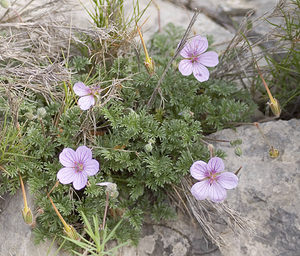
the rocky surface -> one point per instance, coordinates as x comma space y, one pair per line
181, 237
268, 190
16, 238
267, 194
181, 17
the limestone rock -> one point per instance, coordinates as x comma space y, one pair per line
268, 190
180, 16
16, 238
181, 237
267, 194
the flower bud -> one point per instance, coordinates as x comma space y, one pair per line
71, 232
275, 107
148, 147
27, 216
149, 64
273, 152
41, 113
111, 188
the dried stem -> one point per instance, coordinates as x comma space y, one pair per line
179, 48
105, 210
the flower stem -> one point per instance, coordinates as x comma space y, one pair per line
265, 84
55, 185
143, 44
106, 208
262, 134
58, 214
23, 192
43, 127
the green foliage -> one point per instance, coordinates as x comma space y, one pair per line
97, 243
145, 151
111, 12
80, 63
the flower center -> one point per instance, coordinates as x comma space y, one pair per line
212, 176
94, 91
78, 167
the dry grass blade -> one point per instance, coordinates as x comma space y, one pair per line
248, 46
32, 54
214, 218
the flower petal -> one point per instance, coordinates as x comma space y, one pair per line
199, 44
200, 72
86, 102
215, 164
200, 190
199, 170
216, 192
66, 175
185, 67
195, 47
91, 167
228, 180
67, 157
209, 59
80, 180
106, 183
81, 89
83, 154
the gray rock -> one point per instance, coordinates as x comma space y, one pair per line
267, 194
181, 237
268, 190
180, 16
16, 238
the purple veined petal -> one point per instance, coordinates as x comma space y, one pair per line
186, 51
80, 180
199, 170
67, 157
209, 59
198, 45
66, 175
86, 102
81, 89
198, 37
91, 167
200, 72
216, 164
185, 67
195, 47
200, 190
228, 180
216, 192
83, 154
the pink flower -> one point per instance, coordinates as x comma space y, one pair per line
196, 59
87, 95
213, 181
78, 165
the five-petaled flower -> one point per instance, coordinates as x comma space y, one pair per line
195, 59
87, 95
78, 165
213, 181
